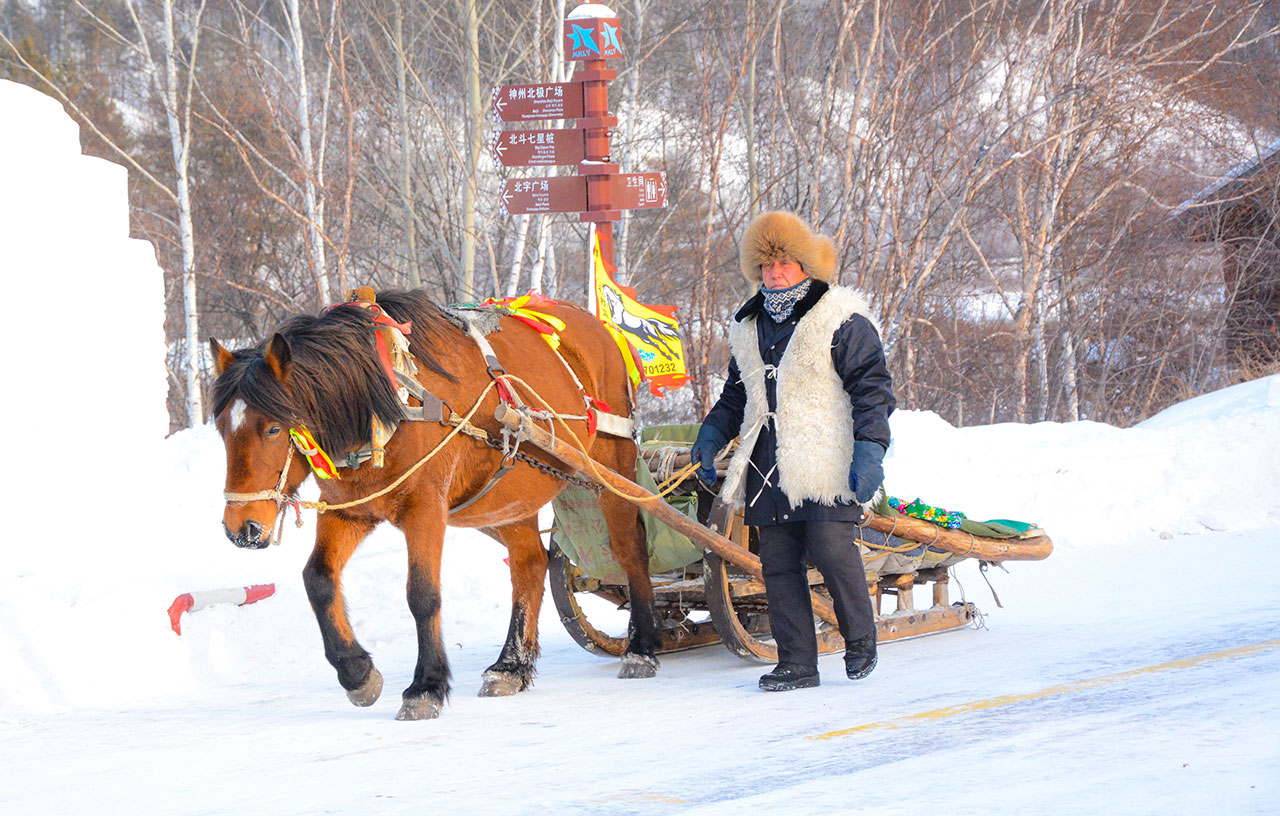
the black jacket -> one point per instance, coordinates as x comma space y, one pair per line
858, 358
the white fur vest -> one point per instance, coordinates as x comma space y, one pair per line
814, 420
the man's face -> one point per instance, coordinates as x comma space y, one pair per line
781, 273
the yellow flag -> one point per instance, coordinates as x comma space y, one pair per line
648, 336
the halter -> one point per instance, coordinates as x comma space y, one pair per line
276, 495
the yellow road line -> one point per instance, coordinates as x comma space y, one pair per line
1066, 688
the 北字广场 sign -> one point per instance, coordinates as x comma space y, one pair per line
561, 194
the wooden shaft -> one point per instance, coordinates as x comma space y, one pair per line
650, 503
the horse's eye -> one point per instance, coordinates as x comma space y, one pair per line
274, 430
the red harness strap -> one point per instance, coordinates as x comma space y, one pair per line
596, 404
381, 318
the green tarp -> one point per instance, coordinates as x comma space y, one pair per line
580, 529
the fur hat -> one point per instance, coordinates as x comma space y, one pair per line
779, 234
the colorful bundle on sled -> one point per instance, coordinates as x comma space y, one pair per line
951, 519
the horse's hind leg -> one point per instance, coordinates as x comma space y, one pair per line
514, 670
627, 541
424, 533
336, 539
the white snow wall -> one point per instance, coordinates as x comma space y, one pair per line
83, 408
84, 327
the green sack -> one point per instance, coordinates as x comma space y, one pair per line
582, 535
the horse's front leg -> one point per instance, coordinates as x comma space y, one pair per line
337, 537
627, 541
424, 533
515, 668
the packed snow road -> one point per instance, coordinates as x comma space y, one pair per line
1159, 734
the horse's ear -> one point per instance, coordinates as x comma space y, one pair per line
279, 357
221, 357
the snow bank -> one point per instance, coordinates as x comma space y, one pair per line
1207, 464
86, 401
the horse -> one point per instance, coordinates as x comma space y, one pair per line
322, 376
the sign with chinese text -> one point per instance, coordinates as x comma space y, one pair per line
547, 100
562, 194
538, 148
636, 191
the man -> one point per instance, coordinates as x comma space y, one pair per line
810, 395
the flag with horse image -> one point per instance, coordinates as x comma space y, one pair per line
648, 336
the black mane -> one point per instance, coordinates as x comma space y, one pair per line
336, 383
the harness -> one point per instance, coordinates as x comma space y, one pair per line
400, 367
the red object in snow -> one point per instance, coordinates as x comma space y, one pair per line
192, 601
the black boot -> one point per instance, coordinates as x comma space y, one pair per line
860, 657
788, 676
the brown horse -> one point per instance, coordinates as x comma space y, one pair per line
324, 373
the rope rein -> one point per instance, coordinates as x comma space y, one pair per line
461, 425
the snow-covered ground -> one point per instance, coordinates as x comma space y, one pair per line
1134, 671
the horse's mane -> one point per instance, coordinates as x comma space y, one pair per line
336, 382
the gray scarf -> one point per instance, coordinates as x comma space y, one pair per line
780, 303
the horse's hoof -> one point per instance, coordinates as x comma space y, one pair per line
637, 665
419, 708
369, 692
500, 684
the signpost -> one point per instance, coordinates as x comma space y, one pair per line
636, 191
600, 191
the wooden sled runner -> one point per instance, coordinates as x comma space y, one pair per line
720, 596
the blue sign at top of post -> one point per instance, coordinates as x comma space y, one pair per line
592, 38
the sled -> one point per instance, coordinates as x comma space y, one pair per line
712, 591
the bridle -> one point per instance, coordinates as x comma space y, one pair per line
275, 494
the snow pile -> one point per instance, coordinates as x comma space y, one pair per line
85, 403
1206, 464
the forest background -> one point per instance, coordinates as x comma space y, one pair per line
1003, 177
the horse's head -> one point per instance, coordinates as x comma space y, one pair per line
251, 400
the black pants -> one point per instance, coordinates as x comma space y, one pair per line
830, 545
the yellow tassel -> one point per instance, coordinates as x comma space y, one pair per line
309, 448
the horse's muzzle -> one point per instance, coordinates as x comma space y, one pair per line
252, 536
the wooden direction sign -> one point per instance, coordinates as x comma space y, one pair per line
637, 191
539, 148
548, 100
591, 38
564, 194
544, 195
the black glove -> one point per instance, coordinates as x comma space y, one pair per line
710, 442
866, 474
